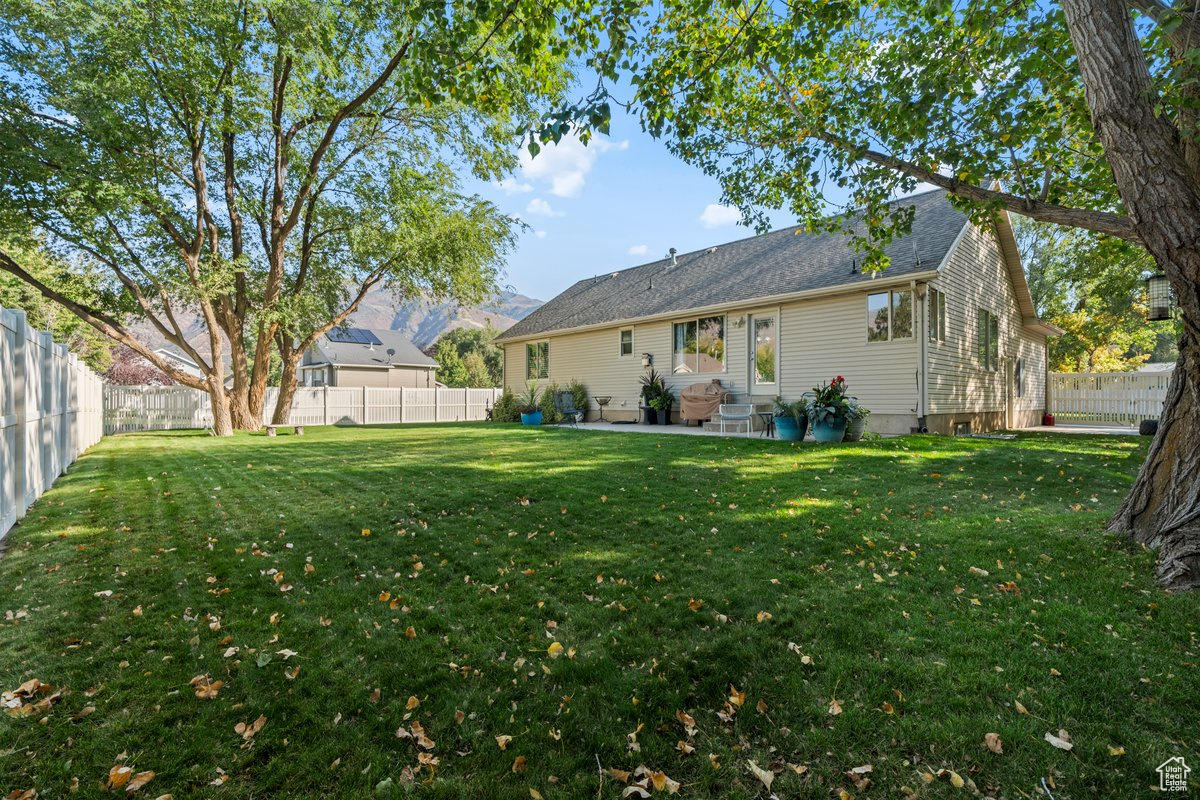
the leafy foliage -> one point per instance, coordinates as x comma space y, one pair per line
579, 394
506, 408
1093, 289
467, 357
78, 282
265, 165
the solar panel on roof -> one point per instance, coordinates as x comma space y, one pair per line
353, 336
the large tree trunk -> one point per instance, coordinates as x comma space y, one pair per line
222, 419
1161, 193
287, 390
1163, 509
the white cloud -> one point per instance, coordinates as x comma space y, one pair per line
513, 186
639, 250
541, 208
540, 234
718, 216
564, 167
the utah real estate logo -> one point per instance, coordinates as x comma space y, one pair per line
1172, 775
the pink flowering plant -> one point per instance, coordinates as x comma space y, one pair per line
829, 402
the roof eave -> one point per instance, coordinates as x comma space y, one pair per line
807, 294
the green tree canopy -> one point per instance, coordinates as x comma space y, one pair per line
1093, 288
265, 164
469, 358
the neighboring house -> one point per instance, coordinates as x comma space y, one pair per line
362, 357
946, 338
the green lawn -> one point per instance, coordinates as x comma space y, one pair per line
673, 571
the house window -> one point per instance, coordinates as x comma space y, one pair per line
937, 316
627, 342
889, 316
764, 349
537, 360
987, 336
698, 345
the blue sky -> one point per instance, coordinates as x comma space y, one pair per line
621, 201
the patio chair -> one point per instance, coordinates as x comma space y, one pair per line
568, 413
731, 413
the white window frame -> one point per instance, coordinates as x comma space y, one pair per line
544, 372
724, 348
987, 340
936, 314
891, 309
621, 342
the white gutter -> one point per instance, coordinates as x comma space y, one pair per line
754, 302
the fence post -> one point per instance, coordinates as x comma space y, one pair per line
20, 396
325, 407
364, 404
403, 404
466, 404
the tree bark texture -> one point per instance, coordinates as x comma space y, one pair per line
287, 390
1161, 193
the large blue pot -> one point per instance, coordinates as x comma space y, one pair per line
532, 419
829, 430
788, 429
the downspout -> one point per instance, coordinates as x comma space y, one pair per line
922, 334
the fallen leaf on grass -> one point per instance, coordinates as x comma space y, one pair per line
503, 740
1116, 751
992, 740
138, 781
695, 605
766, 776
835, 707
249, 731
118, 776
206, 689
1021, 709
555, 649
687, 721
1062, 741
534, 794
519, 764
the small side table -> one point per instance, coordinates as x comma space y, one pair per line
768, 421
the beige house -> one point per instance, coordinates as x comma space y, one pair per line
946, 338
362, 357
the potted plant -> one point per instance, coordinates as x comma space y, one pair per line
652, 386
857, 421
828, 410
529, 404
662, 402
791, 419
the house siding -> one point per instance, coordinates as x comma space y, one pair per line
820, 338
817, 340
394, 378
976, 277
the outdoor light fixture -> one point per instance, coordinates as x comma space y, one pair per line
647, 359
1159, 289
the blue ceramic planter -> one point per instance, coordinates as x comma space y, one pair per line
532, 419
788, 429
829, 430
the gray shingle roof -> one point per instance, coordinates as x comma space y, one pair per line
776, 263
351, 354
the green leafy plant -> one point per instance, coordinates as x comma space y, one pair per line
829, 402
653, 385
505, 408
530, 400
796, 408
663, 400
549, 409
579, 395
856, 411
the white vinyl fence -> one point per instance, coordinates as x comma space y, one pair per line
150, 408
1124, 398
51, 410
